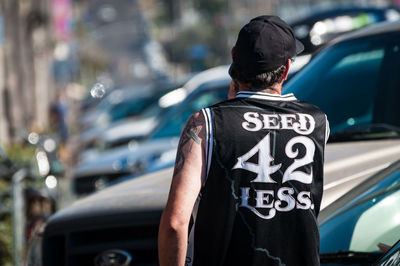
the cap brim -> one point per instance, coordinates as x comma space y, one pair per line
230, 69
299, 47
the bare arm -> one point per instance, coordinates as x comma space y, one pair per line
186, 184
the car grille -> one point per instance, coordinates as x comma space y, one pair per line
89, 184
81, 247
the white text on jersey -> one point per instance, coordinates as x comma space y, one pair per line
303, 124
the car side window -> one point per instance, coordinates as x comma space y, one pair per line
208, 98
352, 84
346, 79
201, 100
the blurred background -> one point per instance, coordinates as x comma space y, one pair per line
53, 51
73, 73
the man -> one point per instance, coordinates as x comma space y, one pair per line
249, 171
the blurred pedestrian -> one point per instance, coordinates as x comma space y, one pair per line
58, 116
58, 123
249, 170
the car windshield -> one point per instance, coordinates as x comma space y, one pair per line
356, 84
175, 96
117, 96
172, 122
146, 105
365, 219
130, 107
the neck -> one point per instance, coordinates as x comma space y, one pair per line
274, 89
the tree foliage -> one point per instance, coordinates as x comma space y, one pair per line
211, 7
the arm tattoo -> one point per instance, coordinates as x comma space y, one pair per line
190, 132
194, 136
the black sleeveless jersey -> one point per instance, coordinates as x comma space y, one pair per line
260, 201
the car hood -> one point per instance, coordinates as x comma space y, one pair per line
145, 194
125, 158
346, 165
349, 163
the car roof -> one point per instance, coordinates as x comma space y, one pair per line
385, 27
330, 12
118, 96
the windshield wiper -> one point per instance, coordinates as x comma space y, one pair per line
346, 257
366, 132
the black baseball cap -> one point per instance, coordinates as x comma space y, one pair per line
263, 45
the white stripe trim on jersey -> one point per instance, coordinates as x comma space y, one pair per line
266, 96
327, 130
209, 140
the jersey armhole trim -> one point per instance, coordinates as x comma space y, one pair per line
209, 139
327, 129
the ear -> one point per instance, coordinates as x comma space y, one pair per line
287, 69
232, 90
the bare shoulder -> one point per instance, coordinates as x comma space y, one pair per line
194, 129
197, 119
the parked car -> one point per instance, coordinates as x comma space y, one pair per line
124, 219
358, 226
122, 132
114, 98
207, 88
138, 128
118, 105
319, 27
355, 81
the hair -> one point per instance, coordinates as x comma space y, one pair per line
260, 81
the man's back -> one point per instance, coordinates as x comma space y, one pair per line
249, 171
263, 190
